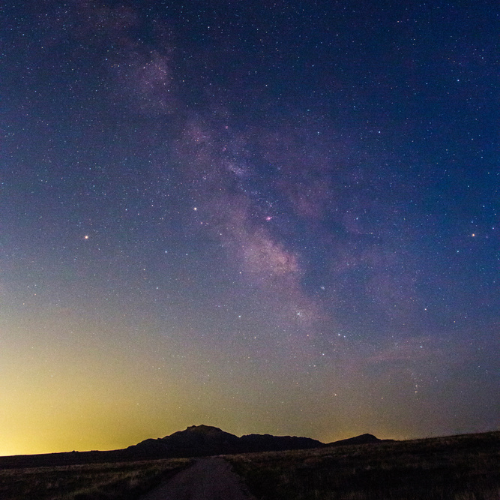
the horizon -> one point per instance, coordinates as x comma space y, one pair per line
275, 217
327, 443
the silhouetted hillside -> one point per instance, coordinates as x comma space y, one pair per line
195, 441
363, 439
266, 442
203, 440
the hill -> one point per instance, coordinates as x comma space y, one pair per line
195, 441
204, 440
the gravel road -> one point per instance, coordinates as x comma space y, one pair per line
207, 479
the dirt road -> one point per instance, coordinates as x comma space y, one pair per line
207, 479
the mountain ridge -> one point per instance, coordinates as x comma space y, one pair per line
204, 440
195, 441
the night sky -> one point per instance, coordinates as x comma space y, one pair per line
268, 216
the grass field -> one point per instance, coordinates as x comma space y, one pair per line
125, 481
455, 468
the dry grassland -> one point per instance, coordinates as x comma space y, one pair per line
449, 468
124, 481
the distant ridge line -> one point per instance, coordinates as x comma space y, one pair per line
195, 441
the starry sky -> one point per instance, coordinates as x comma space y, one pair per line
267, 216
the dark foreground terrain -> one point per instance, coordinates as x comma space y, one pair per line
124, 481
449, 468
456, 468
208, 479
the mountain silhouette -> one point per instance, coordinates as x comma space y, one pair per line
363, 439
195, 441
203, 440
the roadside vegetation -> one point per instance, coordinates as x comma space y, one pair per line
109, 481
449, 468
